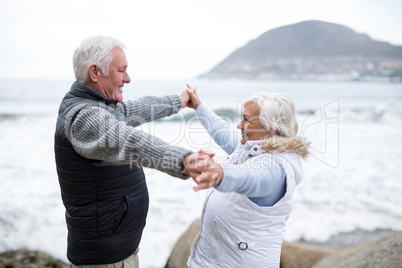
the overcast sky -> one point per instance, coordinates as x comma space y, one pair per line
174, 39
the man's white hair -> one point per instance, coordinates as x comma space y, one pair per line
94, 50
277, 112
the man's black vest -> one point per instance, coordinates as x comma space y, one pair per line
106, 204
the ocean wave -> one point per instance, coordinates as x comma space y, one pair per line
4, 117
187, 116
361, 115
367, 115
16, 116
373, 115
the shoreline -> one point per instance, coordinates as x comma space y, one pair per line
44, 259
348, 239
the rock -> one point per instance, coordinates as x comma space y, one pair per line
383, 252
29, 259
181, 250
296, 255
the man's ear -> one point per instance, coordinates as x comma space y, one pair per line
94, 73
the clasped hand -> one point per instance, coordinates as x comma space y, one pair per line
189, 98
203, 169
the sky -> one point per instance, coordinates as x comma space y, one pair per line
175, 39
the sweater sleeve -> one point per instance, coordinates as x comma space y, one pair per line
261, 179
97, 134
150, 108
217, 128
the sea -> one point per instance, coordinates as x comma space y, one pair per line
352, 188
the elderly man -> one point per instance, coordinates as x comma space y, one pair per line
99, 154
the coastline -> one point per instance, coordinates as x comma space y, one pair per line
35, 259
348, 239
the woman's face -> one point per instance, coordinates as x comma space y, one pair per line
250, 126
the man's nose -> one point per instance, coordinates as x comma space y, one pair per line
127, 79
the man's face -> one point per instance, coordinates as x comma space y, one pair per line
112, 85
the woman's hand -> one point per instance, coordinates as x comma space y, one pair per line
210, 174
193, 162
194, 99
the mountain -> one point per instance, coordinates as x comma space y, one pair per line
312, 49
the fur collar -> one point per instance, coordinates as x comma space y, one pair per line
277, 144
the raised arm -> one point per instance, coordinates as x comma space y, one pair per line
218, 128
97, 134
150, 108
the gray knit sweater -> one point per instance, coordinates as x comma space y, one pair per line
97, 134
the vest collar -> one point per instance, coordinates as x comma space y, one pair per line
80, 90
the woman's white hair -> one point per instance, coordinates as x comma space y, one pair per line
277, 112
94, 50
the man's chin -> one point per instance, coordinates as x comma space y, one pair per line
119, 98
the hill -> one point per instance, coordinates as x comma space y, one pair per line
312, 50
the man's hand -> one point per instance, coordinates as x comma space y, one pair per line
203, 169
211, 174
185, 98
192, 162
194, 99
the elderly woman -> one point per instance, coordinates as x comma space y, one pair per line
244, 216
